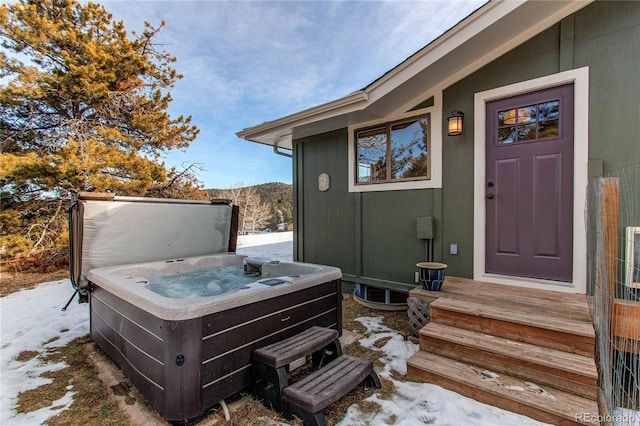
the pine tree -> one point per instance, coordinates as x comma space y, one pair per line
83, 105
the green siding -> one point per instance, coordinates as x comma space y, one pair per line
369, 235
373, 235
607, 39
326, 228
390, 247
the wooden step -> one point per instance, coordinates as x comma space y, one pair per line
553, 303
309, 396
544, 404
562, 370
271, 363
285, 351
519, 323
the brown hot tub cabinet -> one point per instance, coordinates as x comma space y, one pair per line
183, 367
185, 355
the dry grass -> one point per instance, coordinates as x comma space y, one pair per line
94, 403
10, 282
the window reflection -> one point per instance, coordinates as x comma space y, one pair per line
409, 149
548, 110
527, 132
519, 115
527, 123
372, 155
548, 129
507, 135
393, 151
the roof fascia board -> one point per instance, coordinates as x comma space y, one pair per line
443, 45
318, 112
571, 7
512, 43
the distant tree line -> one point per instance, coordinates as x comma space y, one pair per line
265, 206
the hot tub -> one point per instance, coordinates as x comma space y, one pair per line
185, 353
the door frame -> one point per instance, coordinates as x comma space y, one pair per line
580, 79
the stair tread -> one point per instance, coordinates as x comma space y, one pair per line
554, 358
537, 401
327, 385
518, 315
305, 343
559, 304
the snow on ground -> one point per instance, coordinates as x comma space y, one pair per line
274, 245
419, 403
32, 320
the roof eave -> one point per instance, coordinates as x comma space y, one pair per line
279, 132
261, 132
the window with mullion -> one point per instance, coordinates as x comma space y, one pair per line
397, 151
529, 123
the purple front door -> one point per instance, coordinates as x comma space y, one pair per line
529, 185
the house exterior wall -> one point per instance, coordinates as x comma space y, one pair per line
607, 39
368, 235
372, 236
324, 222
536, 57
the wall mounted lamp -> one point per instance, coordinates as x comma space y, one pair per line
455, 123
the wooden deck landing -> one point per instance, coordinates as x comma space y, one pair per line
555, 304
483, 335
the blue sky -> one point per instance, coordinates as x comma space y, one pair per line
248, 62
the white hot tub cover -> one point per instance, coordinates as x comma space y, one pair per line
107, 230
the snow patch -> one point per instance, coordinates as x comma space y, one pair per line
33, 320
419, 403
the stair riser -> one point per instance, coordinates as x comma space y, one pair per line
487, 397
542, 374
523, 333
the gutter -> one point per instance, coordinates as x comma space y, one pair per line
276, 149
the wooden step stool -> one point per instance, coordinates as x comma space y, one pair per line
309, 396
271, 363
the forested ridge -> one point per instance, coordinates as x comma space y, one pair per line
263, 206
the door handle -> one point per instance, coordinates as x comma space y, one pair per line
490, 196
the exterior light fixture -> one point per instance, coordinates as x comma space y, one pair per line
455, 123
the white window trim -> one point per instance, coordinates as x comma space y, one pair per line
580, 79
436, 151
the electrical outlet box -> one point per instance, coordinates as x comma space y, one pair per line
453, 249
415, 279
424, 227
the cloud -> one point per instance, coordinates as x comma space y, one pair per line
253, 61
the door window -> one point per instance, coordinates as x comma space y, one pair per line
528, 123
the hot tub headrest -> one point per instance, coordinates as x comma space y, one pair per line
256, 261
254, 264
